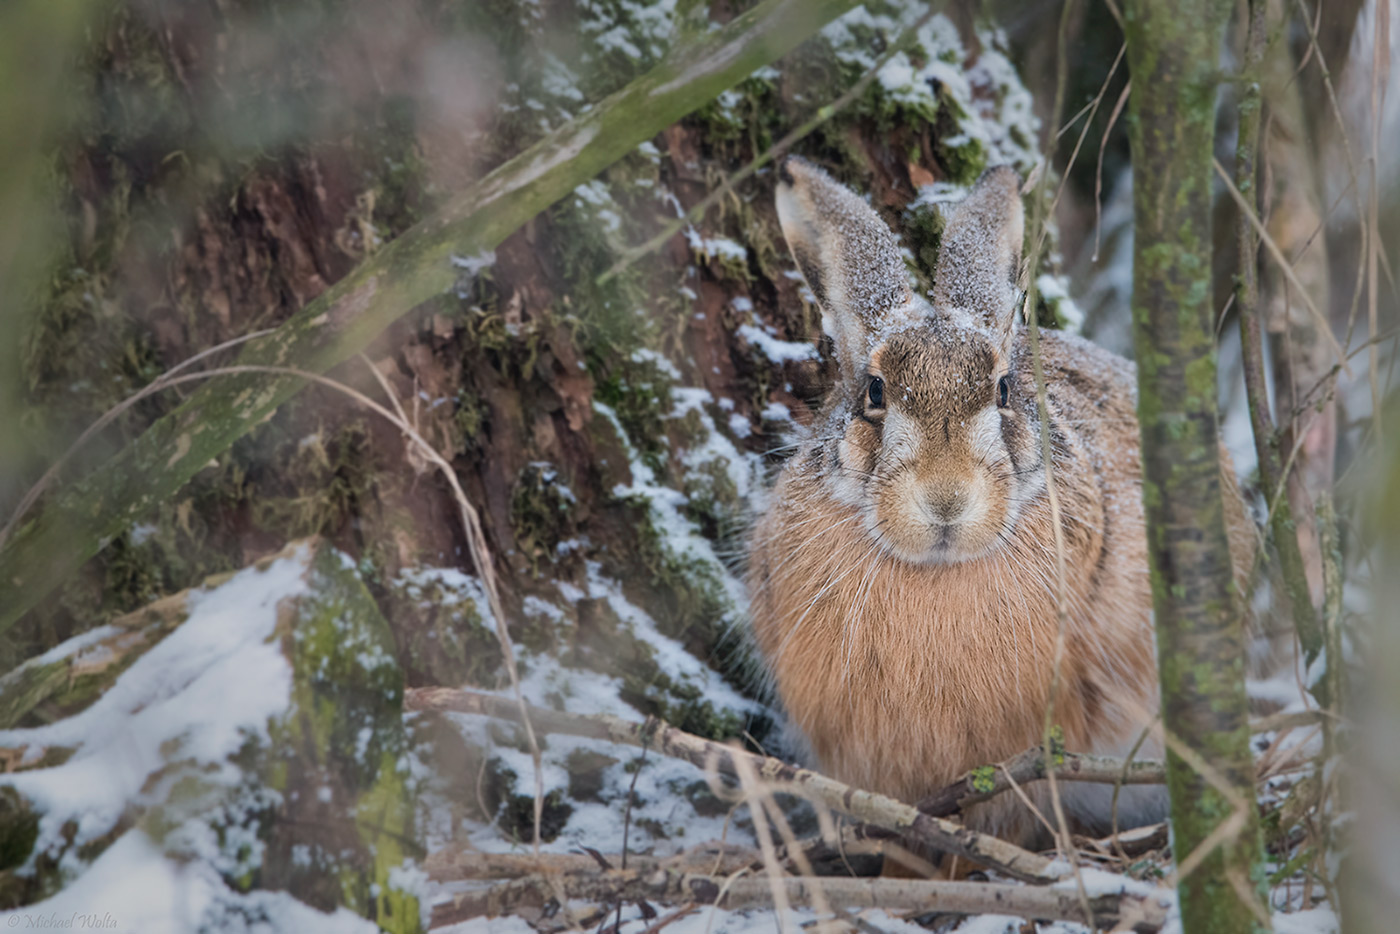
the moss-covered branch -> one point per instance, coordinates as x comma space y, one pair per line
413, 268
68, 679
1173, 48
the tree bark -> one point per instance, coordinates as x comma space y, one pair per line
1173, 49
412, 269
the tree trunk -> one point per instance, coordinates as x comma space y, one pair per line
418, 265
1173, 49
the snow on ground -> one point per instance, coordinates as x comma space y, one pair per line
197, 696
134, 887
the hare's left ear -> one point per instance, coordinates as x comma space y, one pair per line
980, 255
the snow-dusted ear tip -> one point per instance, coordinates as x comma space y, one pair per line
980, 254
846, 253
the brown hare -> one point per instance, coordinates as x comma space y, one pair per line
903, 576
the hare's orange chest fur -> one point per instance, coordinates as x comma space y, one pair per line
904, 579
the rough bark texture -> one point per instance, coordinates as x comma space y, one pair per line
413, 268
1172, 52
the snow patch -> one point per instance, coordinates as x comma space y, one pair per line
777, 350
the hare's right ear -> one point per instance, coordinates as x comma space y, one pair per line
847, 255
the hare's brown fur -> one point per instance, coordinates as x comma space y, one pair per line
901, 673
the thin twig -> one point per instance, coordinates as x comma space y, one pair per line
1098, 172
1039, 231
1245, 209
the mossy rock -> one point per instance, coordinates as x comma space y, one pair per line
300, 784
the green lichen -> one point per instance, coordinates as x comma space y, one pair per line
1057, 745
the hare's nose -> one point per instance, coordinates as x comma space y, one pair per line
945, 504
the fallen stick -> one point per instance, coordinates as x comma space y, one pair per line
1131, 843
988, 781
456, 864
1126, 911
867, 807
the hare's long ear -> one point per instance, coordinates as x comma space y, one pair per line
979, 256
847, 255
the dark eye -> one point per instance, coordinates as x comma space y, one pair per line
1003, 391
877, 392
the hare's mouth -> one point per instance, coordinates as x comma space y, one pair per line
942, 543
936, 542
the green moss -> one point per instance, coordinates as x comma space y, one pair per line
468, 415
344, 732
639, 393
1057, 745
19, 828
964, 163
923, 233
323, 481
540, 514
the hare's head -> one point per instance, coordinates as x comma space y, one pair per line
934, 434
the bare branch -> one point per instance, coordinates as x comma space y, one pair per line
1126, 911
981, 784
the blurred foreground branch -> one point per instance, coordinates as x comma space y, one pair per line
422, 263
